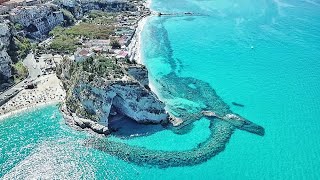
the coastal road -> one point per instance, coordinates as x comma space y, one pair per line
34, 71
11, 92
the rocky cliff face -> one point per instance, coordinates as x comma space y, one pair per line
37, 20
77, 8
99, 97
140, 73
5, 60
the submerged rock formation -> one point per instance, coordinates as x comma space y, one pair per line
5, 60
97, 89
223, 122
189, 99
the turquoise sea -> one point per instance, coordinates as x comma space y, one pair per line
262, 54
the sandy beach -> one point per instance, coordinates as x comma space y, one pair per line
49, 88
136, 46
48, 91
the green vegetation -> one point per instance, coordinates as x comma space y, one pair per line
100, 17
115, 44
92, 71
62, 42
99, 67
89, 30
68, 39
69, 18
20, 71
18, 26
19, 48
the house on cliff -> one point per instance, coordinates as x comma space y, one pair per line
83, 54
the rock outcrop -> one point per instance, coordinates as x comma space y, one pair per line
5, 60
37, 20
99, 89
140, 73
78, 8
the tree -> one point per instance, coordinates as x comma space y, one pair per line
68, 16
18, 26
115, 44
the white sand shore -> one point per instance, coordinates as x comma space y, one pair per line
48, 91
137, 44
148, 4
138, 48
28, 108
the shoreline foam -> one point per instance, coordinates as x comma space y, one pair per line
27, 109
139, 58
137, 44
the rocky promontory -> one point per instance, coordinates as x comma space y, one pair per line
98, 89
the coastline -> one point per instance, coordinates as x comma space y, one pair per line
137, 44
48, 92
138, 49
26, 109
137, 52
135, 49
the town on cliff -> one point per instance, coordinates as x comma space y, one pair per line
82, 54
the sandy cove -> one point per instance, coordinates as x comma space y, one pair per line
49, 91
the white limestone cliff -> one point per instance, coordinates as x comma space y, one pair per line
5, 60
37, 20
99, 98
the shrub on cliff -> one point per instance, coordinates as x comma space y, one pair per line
115, 44
19, 48
20, 71
64, 44
18, 26
69, 18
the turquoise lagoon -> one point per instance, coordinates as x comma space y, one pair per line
262, 54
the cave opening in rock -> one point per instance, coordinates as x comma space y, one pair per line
124, 126
32, 28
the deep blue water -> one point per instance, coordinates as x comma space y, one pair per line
262, 54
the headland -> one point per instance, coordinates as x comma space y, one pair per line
99, 76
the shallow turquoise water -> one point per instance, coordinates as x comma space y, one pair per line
38, 144
263, 54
